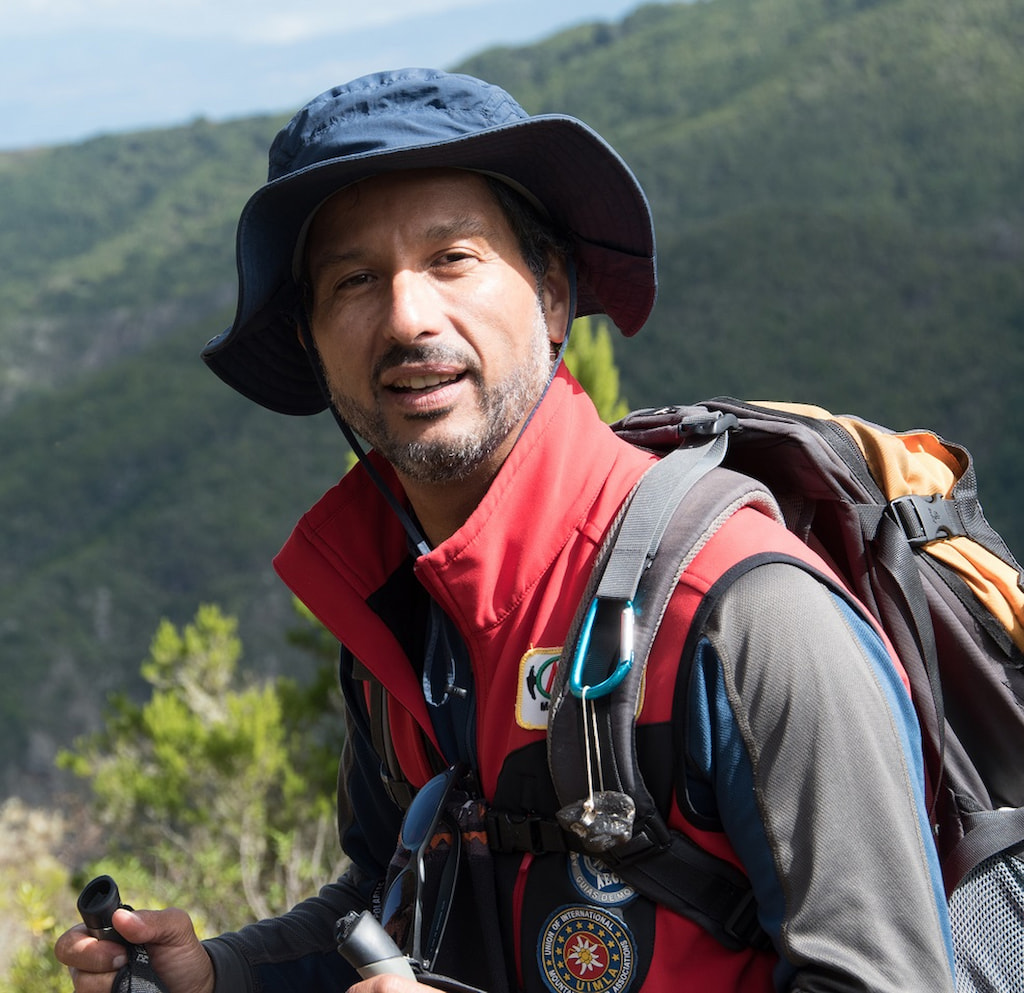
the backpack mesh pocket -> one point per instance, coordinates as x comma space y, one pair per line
987, 916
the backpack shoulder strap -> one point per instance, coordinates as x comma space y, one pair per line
591, 723
373, 706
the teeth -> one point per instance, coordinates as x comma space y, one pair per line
423, 382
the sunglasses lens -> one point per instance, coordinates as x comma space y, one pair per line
422, 814
398, 906
442, 904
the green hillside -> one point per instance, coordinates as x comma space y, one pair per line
108, 245
836, 186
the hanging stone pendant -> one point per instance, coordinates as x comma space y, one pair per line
602, 820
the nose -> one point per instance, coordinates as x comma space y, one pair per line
415, 308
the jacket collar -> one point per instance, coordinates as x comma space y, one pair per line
350, 543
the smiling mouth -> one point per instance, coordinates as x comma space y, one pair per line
413, 383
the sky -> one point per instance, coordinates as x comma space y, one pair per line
72, 69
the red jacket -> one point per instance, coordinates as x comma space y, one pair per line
510, 579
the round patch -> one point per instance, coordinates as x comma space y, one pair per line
597, 883
585, 950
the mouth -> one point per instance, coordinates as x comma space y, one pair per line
426, 381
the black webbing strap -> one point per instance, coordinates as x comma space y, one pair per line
895, 571
695, 884
989, 832
663, 865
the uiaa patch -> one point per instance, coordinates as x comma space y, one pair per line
586, 950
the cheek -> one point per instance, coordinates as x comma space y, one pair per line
343, 361
505, 328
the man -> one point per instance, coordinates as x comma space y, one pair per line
417, 256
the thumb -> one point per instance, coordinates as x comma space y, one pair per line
171, 927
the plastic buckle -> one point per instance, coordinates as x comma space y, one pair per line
523, 833
927, 518
715, 423
743, 926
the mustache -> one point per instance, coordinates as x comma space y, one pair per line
400, 355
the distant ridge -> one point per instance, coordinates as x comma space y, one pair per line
836, 186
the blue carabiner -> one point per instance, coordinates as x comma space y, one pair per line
576, 685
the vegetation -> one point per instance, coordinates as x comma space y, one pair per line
591, 360
216, 793
35, 897
836, 188
214, 789
834, 185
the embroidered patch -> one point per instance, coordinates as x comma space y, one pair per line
536, 678
597, 883
585, 950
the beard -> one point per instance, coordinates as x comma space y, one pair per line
502, 407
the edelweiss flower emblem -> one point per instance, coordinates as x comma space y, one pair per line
586, 950
586, 956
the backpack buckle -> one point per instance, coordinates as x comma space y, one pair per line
715, 423
742, 925
507, 832
927, 518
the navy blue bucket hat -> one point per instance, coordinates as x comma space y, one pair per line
411, 119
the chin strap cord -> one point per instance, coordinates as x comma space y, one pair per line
412, 530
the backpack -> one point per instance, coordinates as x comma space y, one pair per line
897, 517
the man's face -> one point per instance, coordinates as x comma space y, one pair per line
434, 336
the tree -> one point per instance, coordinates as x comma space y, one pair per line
590, 359
213, 788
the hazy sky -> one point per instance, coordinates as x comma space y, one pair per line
70, 69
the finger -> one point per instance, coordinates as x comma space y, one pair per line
387, 983
77, 948
92, 982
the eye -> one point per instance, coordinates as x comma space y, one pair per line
351, 281
453, 256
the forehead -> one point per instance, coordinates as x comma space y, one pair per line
375, 207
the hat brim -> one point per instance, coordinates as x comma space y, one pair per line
587, 189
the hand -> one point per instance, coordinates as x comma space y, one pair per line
389, 984
174, 950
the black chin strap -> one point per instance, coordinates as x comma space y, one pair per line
412, 529
562, 346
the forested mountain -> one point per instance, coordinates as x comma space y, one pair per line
837, 189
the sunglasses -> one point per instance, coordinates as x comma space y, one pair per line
420, 835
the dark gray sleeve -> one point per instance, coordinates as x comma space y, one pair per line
296, 950
811, 748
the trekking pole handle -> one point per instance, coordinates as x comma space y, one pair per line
368, 948
97, 903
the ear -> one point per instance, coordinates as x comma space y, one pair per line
304, 332
555, 297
